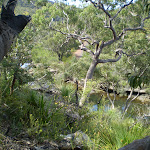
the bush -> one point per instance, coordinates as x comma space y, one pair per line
109, 131
26, 110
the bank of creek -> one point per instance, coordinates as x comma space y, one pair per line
139, 107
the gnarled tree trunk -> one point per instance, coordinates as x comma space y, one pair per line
7, 36
10, 26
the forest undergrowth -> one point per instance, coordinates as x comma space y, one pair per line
28, 113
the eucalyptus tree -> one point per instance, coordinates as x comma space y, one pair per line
10, 26
52, 40
115, 25
13, 70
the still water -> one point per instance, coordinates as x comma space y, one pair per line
136, 108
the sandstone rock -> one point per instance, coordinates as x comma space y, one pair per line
77, 140
47, 146
141, 144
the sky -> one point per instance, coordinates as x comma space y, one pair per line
78, 3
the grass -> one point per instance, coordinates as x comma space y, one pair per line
109, 131
41, 118
28, 111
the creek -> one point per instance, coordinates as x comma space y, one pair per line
136, 109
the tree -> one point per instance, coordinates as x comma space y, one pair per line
54, 41
10, 26
111, 12
12, 72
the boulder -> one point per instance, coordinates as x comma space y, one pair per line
141, 144
77, 140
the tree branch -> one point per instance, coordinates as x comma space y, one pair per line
111, 28
124, 31
65, 42
96, 5
133, 54
68, 34
144, 70
128, 101
134, 29
110, 60
121, 9
67, 19
82, 47
101, 6
111, 101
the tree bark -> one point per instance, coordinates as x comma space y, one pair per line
91, 69
88, 76
111, 101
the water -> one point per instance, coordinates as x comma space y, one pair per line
25, 65
136, 108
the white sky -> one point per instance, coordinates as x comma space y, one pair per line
78, 3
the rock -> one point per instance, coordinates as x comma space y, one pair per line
144, 98
141, 144
147, 117
77, 140
47, 146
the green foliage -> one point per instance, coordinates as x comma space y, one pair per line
44, 118
41, 2
77, 68
136, 81
39, 55
109, 131
28, 110
13, 74
55, 41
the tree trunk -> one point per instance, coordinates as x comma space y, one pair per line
129, 100
5, 74
91, 70
76, 93
111, 101
12, 85
88, 76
